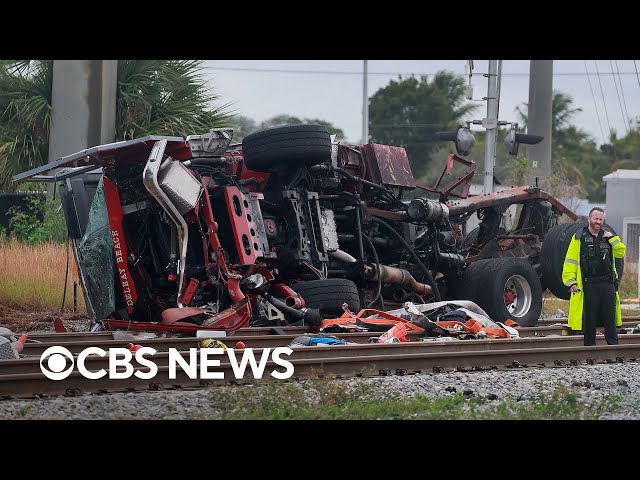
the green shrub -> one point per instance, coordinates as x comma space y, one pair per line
40, 221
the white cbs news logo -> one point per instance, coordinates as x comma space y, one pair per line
57, 363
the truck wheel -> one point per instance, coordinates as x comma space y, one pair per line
552, 253
470, 237
510, 290
466, 287
290, 146
328, 295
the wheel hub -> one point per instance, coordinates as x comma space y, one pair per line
517, 296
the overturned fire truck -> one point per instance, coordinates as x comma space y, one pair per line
285, 228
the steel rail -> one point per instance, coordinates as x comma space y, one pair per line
75, 343
20, 379
251, 341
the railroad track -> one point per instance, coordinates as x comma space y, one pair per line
23, 378
263, 337
558, 324
628, 319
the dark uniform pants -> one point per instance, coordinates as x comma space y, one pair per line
599, 307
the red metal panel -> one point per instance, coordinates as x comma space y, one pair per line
390, 165
188, 294
231, 280
233, 318
114, 210
114, 156
241, 224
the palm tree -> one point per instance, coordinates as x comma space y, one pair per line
561, 112
25, 116
160, 97
567, 140
165, 97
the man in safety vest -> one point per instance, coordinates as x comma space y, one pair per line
589, 271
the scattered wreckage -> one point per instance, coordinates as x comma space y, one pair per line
181, 234
11, 344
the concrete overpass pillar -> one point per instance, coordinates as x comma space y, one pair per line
83, 105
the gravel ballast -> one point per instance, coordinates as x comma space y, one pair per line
590, 383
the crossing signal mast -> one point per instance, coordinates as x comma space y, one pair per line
463, 136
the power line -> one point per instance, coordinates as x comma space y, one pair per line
408, 74
624, 101
606, 114
624, 120
358, 73
595, 104
412, 125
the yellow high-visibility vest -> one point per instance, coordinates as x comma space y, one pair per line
571, 274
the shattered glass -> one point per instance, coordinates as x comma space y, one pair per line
96, 258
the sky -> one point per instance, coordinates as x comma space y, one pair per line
607, 91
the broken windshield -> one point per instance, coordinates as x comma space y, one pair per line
95, 258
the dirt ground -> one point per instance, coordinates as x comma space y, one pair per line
22, 321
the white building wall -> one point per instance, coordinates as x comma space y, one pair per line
622, 197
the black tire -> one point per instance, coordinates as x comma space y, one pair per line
470, 237
288, 146
542, 284
466, 287
518, 276
553, 251
329, 294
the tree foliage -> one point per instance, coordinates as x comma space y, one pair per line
165, 97
40, 221
575, 156
25, 116
160, 97
562, 111
242, 126
280, 120
408, 112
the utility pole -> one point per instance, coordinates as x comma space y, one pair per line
83, 101
365, 106
491, 124
539, 117
463, 137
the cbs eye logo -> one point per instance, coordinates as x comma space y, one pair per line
53, 362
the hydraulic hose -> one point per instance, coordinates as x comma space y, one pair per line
436, 291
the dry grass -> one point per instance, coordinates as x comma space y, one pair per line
551, 305
33, 277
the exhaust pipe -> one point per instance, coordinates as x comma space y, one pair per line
304, 317
397, 275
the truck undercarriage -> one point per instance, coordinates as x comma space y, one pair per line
182, 234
